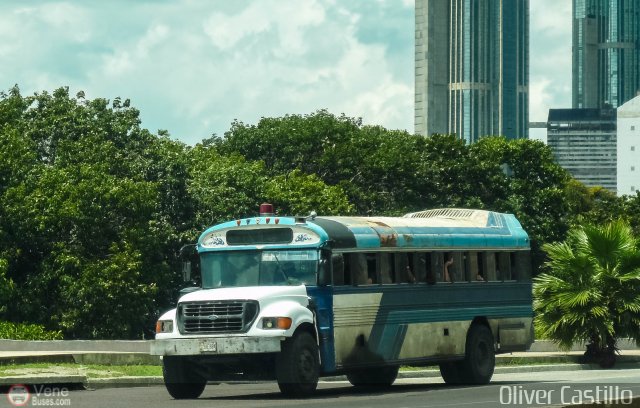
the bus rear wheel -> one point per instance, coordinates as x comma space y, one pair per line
452, 372
480, 356
298, 365
373, 377
479, 362
180, 380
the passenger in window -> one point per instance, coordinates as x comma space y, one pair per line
447, 275
411, 278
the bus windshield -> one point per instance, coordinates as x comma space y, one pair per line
259, 268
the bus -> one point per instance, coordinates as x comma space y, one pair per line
298, 298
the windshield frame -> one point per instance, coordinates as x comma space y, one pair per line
257, 271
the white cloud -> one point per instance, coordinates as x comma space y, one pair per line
192, 66
550, 57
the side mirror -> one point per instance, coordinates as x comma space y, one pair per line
186, 271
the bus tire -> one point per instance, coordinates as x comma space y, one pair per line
452, 372
373, 377
180, 380
480, 356
298, 365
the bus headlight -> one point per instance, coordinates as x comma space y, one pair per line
282, 323
164, 326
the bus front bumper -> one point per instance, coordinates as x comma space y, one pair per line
215, 346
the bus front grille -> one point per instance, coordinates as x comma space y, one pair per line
224, 316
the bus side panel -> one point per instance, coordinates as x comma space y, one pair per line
376, 325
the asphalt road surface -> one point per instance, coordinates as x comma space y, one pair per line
527, 389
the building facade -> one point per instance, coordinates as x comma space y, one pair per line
472, 68
583, 142
606, 52
628, 149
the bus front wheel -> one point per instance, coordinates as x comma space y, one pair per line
298, 365
181, 381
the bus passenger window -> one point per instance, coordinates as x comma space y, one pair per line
403, 272
359, 269
448, 270
372, 269
348, 270
337, 263
489, 266
522, 268
474, 272
385, 268
431, 274
504, 265
421, 267
454, 270
437, 266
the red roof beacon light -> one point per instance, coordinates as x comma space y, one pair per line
266, 209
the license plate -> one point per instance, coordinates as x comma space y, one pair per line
210, 346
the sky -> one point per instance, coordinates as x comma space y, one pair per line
192, 67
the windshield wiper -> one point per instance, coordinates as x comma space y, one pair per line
281, 269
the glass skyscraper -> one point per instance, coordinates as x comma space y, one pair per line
472, 68
606, 57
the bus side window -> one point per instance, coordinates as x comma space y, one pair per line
359, 269
372, 269
402, 265
474, 271
489, 266
504, 265
385, 268
421, 266
431, 274
337, 263
522, 269
457, 270
348, 270
437, 265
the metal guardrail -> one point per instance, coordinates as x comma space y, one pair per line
143, 346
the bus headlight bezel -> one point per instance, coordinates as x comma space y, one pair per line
276, 323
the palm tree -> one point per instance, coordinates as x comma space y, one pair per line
590, 292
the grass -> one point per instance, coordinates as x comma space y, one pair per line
88, 370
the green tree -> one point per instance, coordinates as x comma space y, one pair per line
299, 194
590, 291
79, 178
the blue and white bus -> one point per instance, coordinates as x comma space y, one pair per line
298, 298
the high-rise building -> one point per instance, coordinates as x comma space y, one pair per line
583, 142
606, 52
628, 142
472, 68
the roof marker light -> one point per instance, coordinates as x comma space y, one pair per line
266, 209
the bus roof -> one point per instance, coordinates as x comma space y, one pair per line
439, 229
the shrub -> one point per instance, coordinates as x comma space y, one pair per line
24, 331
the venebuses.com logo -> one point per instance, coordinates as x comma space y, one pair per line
18, 395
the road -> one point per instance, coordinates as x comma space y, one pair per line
529, 389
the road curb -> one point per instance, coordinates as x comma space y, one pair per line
123, 382
151, 381
42, 379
